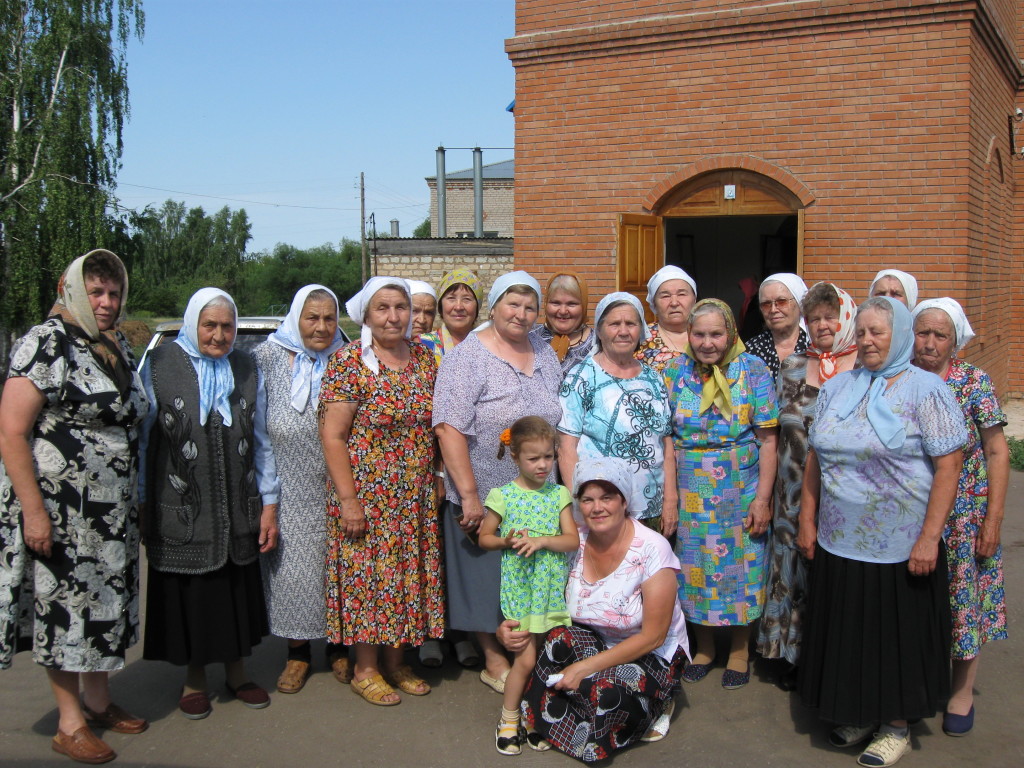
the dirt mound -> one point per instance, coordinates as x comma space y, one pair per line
137, 332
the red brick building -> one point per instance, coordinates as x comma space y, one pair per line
738, 138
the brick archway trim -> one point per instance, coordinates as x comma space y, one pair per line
705, 165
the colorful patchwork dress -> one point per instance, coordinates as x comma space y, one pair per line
721, 582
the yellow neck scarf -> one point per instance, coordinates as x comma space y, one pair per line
716, 389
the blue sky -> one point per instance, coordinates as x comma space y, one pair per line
284, 102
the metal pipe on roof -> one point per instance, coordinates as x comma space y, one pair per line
478, 192
394, 227
442, 203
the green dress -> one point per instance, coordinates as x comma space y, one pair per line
532, 588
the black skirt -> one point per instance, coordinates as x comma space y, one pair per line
213, 617
877, 641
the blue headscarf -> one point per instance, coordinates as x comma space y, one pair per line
216, 381
887, 425
310, 364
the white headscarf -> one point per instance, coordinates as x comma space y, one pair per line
501, 286
794, 284
419, 286
216, 381
908, 281
610, 470
356, 309
612, 298
663, 275
964, 332
310, 364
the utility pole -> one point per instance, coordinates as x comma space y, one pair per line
364, 259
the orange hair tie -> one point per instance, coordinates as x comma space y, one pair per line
506, 437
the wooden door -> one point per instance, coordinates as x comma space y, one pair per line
641, 252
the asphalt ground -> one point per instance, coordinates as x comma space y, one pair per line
328, 725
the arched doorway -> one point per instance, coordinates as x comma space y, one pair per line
723, 226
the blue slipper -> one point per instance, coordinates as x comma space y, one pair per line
958, 725
731, 679
694, 673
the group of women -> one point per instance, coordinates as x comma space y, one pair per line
313, 490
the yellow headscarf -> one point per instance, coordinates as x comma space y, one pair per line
716, 390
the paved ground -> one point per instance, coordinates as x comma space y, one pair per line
326, 725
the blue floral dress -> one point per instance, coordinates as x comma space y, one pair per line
721, 582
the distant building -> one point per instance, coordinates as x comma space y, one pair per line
739, 138
499, 203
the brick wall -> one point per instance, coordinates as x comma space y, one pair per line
499, 207
429, 259
886, 117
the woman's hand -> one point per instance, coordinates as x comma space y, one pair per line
923, 556
987, 541
807, 538
353, 519
268, 528
759, 514
510, 636
37, 532
472, 514
573, 675
669, 516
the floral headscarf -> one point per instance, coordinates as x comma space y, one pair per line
845, 339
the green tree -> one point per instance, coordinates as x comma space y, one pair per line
269, 279
63, 101
422, 229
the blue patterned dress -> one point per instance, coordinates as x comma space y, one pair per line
721, 582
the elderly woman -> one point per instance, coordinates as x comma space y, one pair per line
385, 588
895, 284
496, 376
565, 319
671, 294
829, 314
424, 307
614, 405
973, 551
724, 420
879, 485
68, 439
459, 307
607, 681
779, 299
210, 490
292, 362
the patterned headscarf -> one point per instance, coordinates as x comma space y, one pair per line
887, 425
608, 469
843, 343
216, 381
961, 326
456, 277
310, 364
716, 389
356, 309
560, 342
907, 280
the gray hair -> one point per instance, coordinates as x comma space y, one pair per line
219, 302
706, 309
318, 294
881, 303
604, 314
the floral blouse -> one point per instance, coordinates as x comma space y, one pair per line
973, 390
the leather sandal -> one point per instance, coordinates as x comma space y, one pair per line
294, 676
373, 689
496, 684
115, 719
83, 746
402, 678
341, 668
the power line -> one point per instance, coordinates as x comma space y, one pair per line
256, 202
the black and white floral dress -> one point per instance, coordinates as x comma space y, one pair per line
78, 610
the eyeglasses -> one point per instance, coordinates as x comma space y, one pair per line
780, 303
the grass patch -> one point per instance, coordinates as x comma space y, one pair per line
1016, 452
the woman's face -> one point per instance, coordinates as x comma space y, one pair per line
105, 299
778, 307
459, 309
823, 325
874, 337
318, 323
934, 340
619, 331
424, 310
891, 287
672, 304
709, 338
603, 510
563, 312
388, 315
216, 330
514, 315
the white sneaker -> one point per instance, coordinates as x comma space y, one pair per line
850, 735
885, 749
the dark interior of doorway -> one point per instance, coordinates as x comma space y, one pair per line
729, 256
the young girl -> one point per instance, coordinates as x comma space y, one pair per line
536, 529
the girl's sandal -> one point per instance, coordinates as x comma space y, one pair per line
374, 689
403, 679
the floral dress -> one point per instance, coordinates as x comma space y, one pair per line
532, 588
386, 588
654, 351
976, 585
78, 610
722, 578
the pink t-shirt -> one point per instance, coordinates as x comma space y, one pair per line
613, 606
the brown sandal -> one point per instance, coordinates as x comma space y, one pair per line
402, 677
341, 668
374, 689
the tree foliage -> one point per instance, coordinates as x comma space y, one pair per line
422, 229
63, 102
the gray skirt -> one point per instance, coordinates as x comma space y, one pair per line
473, 576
